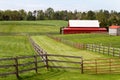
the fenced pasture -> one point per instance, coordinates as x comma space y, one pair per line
56, 60
99, 48
58, 64
94, 66
33, 63
95, 38
51, 46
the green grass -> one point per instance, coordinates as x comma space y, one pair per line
11, 46
32, 27
104, 39
19, 45
54, 47
64, 75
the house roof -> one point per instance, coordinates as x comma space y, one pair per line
83, 23
114, 27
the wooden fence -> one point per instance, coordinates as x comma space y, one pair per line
91, 47
101, 66
96, 66
32, 64
103, 49
39, 50
91, 66
15, 66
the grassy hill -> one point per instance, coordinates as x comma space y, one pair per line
32, 27
18, 45
11, 46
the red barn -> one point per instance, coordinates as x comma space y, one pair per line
82, 26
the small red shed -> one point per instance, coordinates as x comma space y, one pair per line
82, 26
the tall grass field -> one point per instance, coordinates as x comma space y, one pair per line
19, 45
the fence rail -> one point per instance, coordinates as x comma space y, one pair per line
95, 66
39, 50
16, 65
89, 66
103, 49
100, 66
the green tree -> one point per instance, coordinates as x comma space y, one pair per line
40, 15
1, 15
30, 16
23, 14
91, 15
49, 13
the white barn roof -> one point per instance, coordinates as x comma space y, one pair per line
83, 23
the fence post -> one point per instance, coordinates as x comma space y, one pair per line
95, 46
92, 47
82, 66
88, 47
85, 46
36, 68
99, 48
113, 52
108, 50
119, 53
110, 64
46, 60
16, 67
96, 66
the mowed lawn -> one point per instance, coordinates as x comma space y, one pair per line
12, 46
32, 27
53, 47
104, 39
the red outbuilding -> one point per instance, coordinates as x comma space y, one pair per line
82, 26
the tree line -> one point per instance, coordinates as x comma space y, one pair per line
105, 17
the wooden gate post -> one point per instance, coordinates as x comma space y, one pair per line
36, 68
46, 60
16, 67
82, 66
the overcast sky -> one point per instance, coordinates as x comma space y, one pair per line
79, 5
